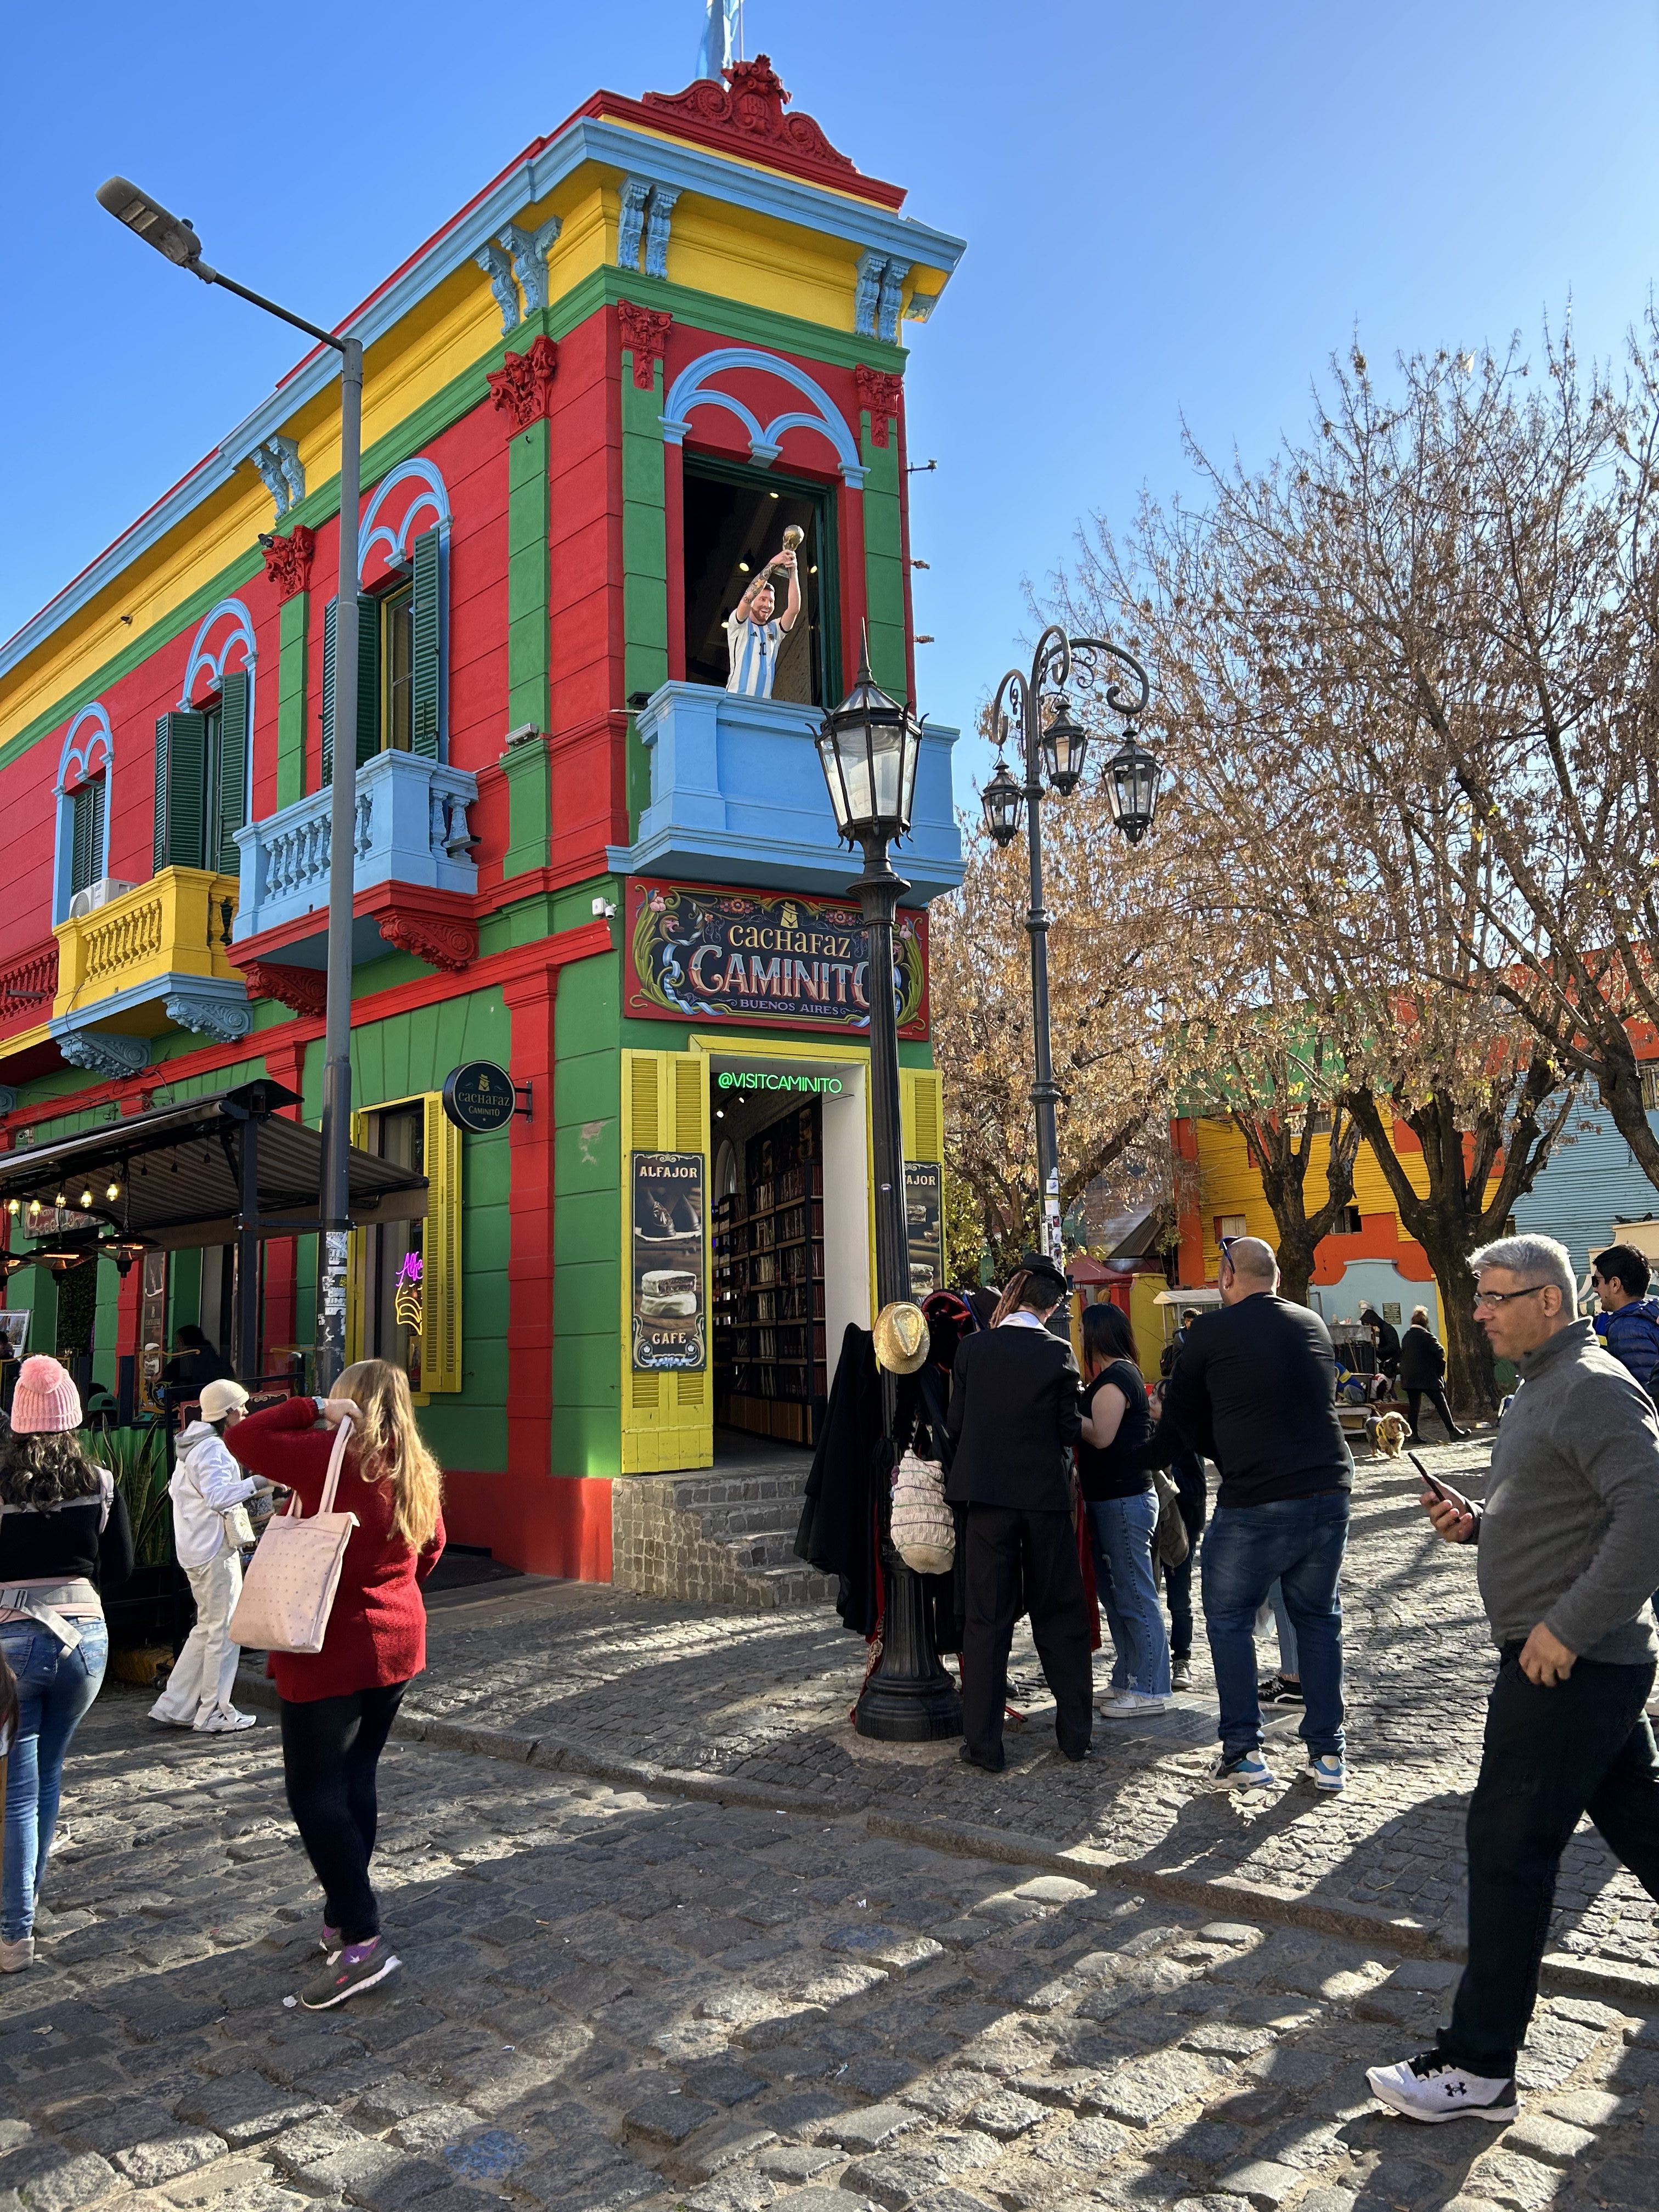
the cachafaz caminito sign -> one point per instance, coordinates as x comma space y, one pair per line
768, 959
479, 1097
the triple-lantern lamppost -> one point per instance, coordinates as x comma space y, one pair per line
1035, 708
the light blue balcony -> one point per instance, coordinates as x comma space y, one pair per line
737, 796
411, 830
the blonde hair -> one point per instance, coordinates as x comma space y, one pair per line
390, 1445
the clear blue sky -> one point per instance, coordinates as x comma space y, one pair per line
1177, 207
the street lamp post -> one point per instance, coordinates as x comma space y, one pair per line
1035, 706
868, 748
178, 243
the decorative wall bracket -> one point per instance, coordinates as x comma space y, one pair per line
440, 942
645, 330
529, 250
881, 393
647, 209
104, 1051
288, 561
221, 1015
497, 266
522, 387
878, 295
281, 472
301, 990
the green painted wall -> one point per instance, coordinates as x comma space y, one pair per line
587, 1239
884, 562
527, 631
293, 624
644, 564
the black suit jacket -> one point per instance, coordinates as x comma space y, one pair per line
1013, 1420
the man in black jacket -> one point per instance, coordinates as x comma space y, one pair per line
1255, 1390
1012, 1423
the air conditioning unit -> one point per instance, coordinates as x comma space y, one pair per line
96, 895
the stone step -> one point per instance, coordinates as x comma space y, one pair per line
718, 1536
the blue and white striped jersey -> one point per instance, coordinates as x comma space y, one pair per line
754, 650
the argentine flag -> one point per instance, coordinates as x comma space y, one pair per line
721, 38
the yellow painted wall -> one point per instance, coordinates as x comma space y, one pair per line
1228, 1183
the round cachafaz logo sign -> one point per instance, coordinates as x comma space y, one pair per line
479, 1097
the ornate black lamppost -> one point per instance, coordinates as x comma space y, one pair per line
868, 747
1035, 708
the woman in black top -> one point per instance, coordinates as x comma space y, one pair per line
1422, 1365
63, 1537
1122, 1508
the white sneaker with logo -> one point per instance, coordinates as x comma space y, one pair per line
1427, 2088
223, 1720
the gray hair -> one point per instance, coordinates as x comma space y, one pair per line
1545, 1258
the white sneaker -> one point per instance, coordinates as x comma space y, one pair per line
1123, 1703
1327, 1771
223, 1720
1427, 2088
1249, 1771
14, 1957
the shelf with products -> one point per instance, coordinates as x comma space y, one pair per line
770, 1353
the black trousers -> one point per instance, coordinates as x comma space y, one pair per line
1031, 1556
1551, 1755
330, 1749
1435, 1395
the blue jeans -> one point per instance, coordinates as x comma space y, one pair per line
1299, 1542
1121, 1531
54, 1689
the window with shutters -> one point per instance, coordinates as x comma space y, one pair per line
201, 780
86, 827
400, 662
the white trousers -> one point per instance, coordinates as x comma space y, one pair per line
205, 1670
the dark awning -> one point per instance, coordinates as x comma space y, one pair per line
176, 1170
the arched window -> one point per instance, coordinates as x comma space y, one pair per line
81, 858
202, 748
403, 575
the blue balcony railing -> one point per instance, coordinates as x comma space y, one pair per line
737, 796
411, 828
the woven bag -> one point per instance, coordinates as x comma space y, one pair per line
287, 1592
922, 1526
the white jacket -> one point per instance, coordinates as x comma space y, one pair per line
207, 1482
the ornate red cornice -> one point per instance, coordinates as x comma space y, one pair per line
288, 561
881, 392
301, 990
746, 116
646, 330
522, 387
440, 942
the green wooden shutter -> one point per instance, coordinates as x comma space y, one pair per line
85, 835
328, 691
368, 679
233, 774
158, 860
426, 690
185, 842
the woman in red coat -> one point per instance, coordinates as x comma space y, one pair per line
338, 1704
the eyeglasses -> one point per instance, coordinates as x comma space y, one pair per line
1225, 1245
1502, 1297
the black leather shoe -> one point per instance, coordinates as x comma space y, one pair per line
987, 1765
1076, 1753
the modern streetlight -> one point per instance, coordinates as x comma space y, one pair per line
868, 748
1035, 707
180, 245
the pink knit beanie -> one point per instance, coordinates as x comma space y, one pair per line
46, 1399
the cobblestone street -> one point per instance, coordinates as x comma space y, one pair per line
763, 1963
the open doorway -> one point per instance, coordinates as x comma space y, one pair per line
791, 1248
735, 519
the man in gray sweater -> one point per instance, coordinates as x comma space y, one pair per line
1567, 1559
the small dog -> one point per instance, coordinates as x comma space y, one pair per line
1389, 1433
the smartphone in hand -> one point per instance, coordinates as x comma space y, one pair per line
1442, 1491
